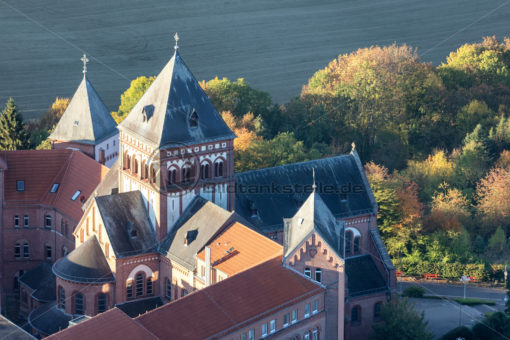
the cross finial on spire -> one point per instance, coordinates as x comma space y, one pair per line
85, 60
176, 37
314, 186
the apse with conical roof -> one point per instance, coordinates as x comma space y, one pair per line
87, 124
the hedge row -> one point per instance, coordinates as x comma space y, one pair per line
453, 271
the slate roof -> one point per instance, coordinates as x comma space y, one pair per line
238, 248
41, 281
48, 319
333, 175
230, 303
11, 331
362, 276
140, 306
123, 213
86, 119
203, 219
85, 264
110, 325
168, 104
71, 169
314, 215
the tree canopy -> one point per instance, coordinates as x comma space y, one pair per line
13, 135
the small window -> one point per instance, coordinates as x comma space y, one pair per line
204, 170
294, 315
17, 251
62, 298
172, 176
315, 306
168, 289
139, 284
308, 272
348, 240
149, 286
48, 252
76, 194
129, 289
185, 292
20, 185
47, 221
306, 336
16, 221
218, 169
307, 310
356, 315
315, 334
78, 303
193, 119
286, 319
377, 310
272, 326
251, 334
264, 329
26, 250
54, 188
25, 221
101, 303
356, 244
318, 275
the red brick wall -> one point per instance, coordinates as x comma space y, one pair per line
126, 266
85, 148
363, 329
90, 293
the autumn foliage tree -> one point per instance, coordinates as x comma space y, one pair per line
131, 96
493, 193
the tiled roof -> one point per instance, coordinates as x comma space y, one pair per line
86, 119
42, 281
281, 190
110, 325
314, 215
140, 306
123, 214
40, 169
231, 303
48, 319
239, 248
162, 116
86, 263
362, 276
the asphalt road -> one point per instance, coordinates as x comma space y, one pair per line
472, 291
274, 45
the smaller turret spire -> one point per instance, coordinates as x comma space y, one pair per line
176, 37
85, 60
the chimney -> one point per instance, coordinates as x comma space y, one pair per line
207, 266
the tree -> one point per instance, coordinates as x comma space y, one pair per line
400, 322
41, 129
461, 332
245, 128
475, 113
131, 96
237, 97
13, 135
497, 241
495, 326
493, 193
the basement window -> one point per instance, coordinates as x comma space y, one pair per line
76, 194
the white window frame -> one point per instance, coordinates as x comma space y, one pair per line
272, 326
315, 307
251, 334
264, 329
294, 316
307, 310
285, 324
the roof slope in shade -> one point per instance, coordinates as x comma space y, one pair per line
363, 277
239, 248
11, 331
334, 175
70, 169
168, 105
42, 281
203, 220
140, 306
86, 119
110, 325
127, 223
314, 215
48, 319
231, 302
86, 264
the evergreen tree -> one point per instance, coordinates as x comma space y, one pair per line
13, 135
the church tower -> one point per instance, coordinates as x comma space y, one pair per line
87, 125
174, 145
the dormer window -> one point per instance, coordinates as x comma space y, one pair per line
191, 235
193, 119
131, 230
147, 112
254, 212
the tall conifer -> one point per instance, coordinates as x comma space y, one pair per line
13, 135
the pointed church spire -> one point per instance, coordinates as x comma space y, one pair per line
85, 60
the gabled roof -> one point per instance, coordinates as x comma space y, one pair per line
314, 215
41, 281
85, 264
200, 222
239, 248
362, 276
48, 319
230, 303
282, 190
110, 325
140, 306
41, 169
86, 119
123, 214
162, 116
